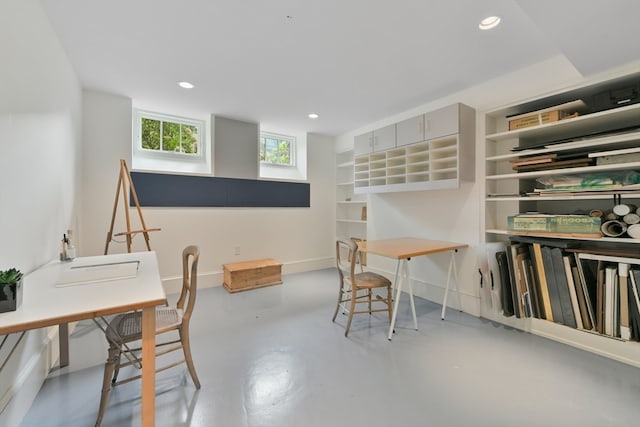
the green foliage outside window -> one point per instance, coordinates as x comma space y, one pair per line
161, 135
276, 150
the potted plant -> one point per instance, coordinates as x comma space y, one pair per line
10, 289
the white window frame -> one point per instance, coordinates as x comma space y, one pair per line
292, 148
169, 161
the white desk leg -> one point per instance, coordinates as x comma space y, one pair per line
148, 366
394, 285
452, 265
398, 285
413, 305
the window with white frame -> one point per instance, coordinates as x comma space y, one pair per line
169, 134
277, 149
169, 143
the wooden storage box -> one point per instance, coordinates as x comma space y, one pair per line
240, 276
547, 115
535, 119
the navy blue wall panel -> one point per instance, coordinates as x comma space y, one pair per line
156, 189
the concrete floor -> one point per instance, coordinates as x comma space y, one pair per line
271, 357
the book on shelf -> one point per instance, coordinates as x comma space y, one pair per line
554, 294
579, 141
568, 315
634, 305
617, 159
557, 164
492, 280
534, 285
587, 276
506, 300
573, 294
583, 224
582, 301
534, 160
610, 309
623, 292
613, 157
600, 295
524, 282
542, 280
514, 279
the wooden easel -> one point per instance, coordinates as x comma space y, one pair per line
126, 184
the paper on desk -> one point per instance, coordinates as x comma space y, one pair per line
84, 274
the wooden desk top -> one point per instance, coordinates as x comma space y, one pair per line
407, 247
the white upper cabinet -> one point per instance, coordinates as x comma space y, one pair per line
442, 122
410, 131
379, 140
403, 157
363, 144
384, 138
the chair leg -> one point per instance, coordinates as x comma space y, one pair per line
116, 369
340, 295
369, 296
186, 349
351, 310
109, 367
389, 303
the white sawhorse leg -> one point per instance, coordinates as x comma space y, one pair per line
452, 266
402, 275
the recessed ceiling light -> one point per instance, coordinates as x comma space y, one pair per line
489, 22
186, 85
313, 116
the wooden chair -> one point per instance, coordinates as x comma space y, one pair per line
126, 328
356, 285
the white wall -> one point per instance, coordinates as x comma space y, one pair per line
40, 163
297, 237
235, 148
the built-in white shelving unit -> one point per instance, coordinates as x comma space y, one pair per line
350, 208
508, 192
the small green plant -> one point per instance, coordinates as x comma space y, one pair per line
10, 276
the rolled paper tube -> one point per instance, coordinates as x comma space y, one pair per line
610, 216
623, 209
631, 218
596, 213
613, 228
634, 231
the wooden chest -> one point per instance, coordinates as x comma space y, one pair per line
240, 276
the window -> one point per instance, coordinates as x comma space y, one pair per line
277, 149
167, 134
163, 142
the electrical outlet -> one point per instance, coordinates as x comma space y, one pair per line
236, 249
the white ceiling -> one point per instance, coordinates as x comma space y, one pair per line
351, 61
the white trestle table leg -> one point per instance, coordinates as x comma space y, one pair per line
452, 266
397, 284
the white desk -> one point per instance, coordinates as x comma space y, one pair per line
403, 250
44, 304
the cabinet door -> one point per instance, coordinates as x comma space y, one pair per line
384, 138
410, 131
441, 122
363, 144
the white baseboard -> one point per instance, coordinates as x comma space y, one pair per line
434, 292
25, 373
211, 279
